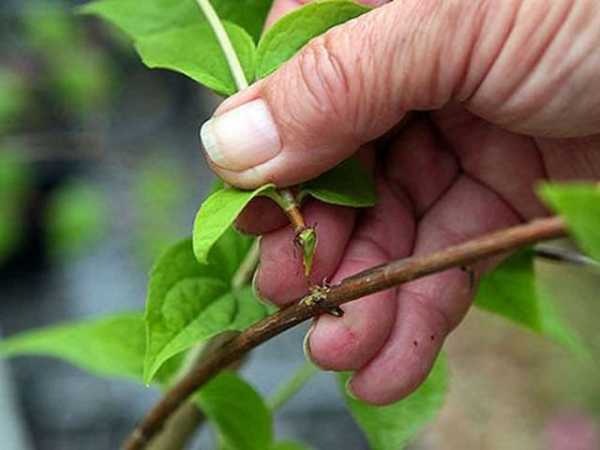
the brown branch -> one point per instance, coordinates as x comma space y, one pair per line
365, 283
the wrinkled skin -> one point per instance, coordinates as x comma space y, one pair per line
510, 94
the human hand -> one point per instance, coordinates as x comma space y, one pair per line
513, 94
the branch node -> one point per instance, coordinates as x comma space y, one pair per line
319, 294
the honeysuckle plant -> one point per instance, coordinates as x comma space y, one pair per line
199, 289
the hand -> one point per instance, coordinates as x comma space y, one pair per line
513, 94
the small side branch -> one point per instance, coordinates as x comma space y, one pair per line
368, 282
565, 256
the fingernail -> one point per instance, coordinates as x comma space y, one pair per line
241, 138
306, 345
257, 292
349, 391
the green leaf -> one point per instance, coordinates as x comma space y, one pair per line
217, 214
248, 14
394, 426
175, 35
242, 419
348, 184
512, 291
76, 218
112, 346
296, 29
189, 303
142, 18
195, 52
579, 204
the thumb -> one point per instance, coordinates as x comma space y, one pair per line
348, 87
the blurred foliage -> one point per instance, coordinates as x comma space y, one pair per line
76, 218
14, 185
77, 73
158, 193
82, 80
50, 25
14, 97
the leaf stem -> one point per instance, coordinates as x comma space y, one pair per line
231, 56
289, 389
247, 267
237, 71
288, 203
368, 282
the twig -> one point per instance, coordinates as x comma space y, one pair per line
247, 267
368, 282
179, 429
565, 256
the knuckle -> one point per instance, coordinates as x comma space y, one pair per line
325, 77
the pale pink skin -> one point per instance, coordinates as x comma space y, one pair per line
494, 73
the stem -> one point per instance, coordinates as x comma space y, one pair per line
179, 429
285, 392
368, 282
225, 42
286, 200
241, 82
247, 267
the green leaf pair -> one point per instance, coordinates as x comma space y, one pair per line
174, 35
189, 303
348, 184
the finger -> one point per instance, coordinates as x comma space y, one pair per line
280, 278
488, 153
383, 233
261, 216
430, 308
418, 170
421, 165
280, 130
